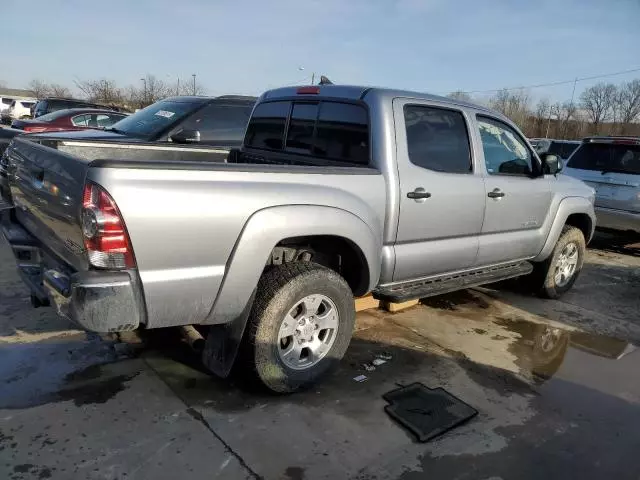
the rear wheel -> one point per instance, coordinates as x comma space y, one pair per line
556, 275
299, 328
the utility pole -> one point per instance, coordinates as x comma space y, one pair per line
178, 87
144, 95
313, 77
548, 122
194, 83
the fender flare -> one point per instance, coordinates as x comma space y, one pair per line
261, 233
567, 207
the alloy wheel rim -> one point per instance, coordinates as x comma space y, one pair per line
566, 264
308, 331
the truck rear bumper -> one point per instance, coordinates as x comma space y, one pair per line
618, 219
95, 300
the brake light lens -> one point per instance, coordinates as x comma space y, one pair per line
35, 129
105, 236
308, 91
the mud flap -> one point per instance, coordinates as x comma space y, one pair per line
223, 341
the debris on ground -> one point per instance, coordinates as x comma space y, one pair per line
360, 378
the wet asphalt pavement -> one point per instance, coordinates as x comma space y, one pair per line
556, 384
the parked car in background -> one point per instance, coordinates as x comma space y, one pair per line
53, 104
612, 166
18, 109
562, 148
5, 103
72, 119
219, 121
335, 191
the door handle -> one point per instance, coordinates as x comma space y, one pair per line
496, 193
419, 194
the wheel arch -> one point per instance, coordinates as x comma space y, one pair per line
574, 211
274, 226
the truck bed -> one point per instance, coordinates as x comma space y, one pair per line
184, 216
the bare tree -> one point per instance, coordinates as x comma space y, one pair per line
154, 89
629, 103
39, 88
186, 88
460, 95
542, 117
57, 90
102, 91
597, 101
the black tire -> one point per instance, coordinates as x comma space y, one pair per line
542, 279
278, 291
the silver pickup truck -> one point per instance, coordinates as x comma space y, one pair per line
336, 191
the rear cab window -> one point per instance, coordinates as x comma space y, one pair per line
334, 131
607, 157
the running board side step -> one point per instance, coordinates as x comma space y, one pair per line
402, 292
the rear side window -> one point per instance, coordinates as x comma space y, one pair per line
7, 101
607, 157
437, 139
266, 128
333, 131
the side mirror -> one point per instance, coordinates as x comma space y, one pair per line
186, 136
551, 163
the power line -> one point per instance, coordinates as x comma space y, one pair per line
552, 84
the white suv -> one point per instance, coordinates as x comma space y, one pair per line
18, 109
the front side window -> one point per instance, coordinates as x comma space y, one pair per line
437, 139
505, 153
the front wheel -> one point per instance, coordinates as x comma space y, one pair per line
299, 328
556, 275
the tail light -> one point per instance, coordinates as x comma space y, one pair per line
35, 129
105, 235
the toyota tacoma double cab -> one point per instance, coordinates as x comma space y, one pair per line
336, 191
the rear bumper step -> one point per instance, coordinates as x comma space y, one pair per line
449, 283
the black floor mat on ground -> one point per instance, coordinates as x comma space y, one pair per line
427, 412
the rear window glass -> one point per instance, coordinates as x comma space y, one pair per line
301, 127
330, 130
266, 128
7, 101
563, 149
27, 104
607, 157
343, 133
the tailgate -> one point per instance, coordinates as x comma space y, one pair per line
46, 188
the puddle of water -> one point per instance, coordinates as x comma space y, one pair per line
540, 349
33, 374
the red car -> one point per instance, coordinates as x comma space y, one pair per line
72, 119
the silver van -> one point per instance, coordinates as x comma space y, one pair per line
611, 165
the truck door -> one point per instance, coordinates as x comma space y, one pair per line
442, 195
518, 199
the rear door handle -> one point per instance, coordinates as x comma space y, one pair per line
496, 193
419, 194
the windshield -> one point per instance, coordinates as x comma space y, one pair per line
607, 157
153, 119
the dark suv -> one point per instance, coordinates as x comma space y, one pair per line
51, 104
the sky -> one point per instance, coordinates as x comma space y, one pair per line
248, 46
